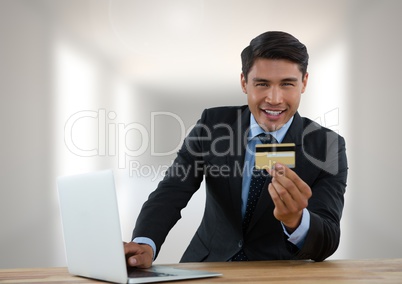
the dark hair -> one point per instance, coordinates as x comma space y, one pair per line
274, 45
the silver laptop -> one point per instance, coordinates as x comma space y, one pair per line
92, 234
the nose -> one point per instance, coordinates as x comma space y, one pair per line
274, 96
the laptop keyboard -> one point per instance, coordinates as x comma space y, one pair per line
136, 272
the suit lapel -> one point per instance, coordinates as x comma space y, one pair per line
294, 133
236, 161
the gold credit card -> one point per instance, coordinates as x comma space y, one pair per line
266, 155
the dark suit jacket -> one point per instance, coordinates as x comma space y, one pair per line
215, 150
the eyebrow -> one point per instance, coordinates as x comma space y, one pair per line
289, 79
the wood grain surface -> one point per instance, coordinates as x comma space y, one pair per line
331, 271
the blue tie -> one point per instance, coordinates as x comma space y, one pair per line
256, 183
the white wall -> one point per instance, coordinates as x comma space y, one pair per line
374, 194
65, 58
27, 204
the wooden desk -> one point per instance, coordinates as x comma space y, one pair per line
332, 271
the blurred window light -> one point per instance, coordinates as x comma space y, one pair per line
328, 74
75, 87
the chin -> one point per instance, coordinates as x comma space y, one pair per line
273, 127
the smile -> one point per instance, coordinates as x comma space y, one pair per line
273, 112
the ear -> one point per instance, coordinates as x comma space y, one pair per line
304, 82
243, 83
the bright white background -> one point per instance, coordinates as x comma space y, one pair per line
83, 83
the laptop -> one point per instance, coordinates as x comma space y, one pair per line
92, 234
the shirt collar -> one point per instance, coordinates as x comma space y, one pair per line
279, 134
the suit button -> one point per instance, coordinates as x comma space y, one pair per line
240, 244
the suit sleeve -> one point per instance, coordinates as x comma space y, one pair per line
326, 203
183, 178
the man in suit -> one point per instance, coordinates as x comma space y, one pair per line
298, 212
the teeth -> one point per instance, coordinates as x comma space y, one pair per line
271, 112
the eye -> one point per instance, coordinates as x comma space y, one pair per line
288, 84
261, 85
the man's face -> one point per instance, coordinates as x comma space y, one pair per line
273, 89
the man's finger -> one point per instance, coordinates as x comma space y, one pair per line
138, 255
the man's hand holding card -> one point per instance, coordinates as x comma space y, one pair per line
288, 191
